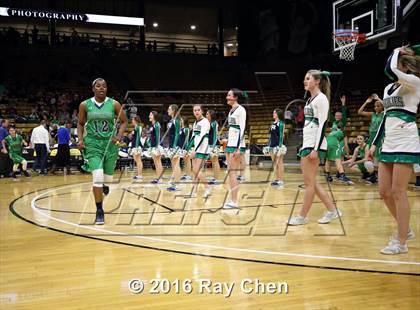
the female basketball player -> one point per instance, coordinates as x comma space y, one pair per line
96, 130
376, 119
315, 146
137, 147
335, 151
174, 126
14, 142
401, 146
359, 159
236, 142
213, 148
276, 147
200, 152
155, 149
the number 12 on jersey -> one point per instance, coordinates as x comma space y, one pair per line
101, 126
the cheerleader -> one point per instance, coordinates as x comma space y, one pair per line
213, 141
137, 147
174, 127
401, 145
236, 142
376, 119
200, 151
155, 148
275, 147
315, 146
183, 142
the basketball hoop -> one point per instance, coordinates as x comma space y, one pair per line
346, 40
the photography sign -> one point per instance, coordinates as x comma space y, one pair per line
67, 16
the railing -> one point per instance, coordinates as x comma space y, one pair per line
123, 42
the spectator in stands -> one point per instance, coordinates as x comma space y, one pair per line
25, 38
62, 158
300, 117
114, 43
53, 132
154, 46
34, 116
74, 118
131, 45
214, 49
195, 49
208, 49
149, 47
11, 112
40, 141
35, 35
132, 112
74, 38
5, 161
288, 117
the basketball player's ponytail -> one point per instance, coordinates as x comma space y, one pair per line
324, 81
411, 59
325, 84
242, 96
280, 114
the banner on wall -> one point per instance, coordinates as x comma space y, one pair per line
76, 17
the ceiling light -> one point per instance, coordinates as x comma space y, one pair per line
193, 27
155, 25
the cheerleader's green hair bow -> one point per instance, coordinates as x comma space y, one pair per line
416, 49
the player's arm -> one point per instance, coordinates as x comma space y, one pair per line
362, 111
24, 142
281, 133
122, 117
346, 142
378, 137
189, 141
205, 128
242, 124
157, 133
138, 137
47, 140
177, 127
352, 160
4, 149
81, 124
344, 110
215, 129
322, 120
403, 78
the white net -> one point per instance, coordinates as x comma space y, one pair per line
347, 44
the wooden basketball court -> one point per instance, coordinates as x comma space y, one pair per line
52, 256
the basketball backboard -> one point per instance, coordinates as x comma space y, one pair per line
375, 18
